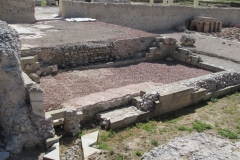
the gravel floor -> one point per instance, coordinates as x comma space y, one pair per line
58, 32
72, 84
196, 146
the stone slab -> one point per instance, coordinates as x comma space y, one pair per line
51, 141
4, 155
53, 155
87, 141
60, 113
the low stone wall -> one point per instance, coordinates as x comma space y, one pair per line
145, 17
17, 11
21, 126
74, 55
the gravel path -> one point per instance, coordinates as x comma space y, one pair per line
196, 146
58, 32
217, 46
228, 65
72, 84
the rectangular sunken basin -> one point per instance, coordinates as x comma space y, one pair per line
67, 85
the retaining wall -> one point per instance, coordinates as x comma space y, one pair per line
74, 55
145, 17
17, 11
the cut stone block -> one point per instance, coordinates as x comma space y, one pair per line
120, 117
37, 105
34, 77
27, 81
53, 155
87, 141
80, 115
51, 141
40, 113
4, 155
58, 122
36, 96
58, 114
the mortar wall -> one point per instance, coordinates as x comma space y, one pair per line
145, 17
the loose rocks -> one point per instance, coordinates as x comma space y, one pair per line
187, 40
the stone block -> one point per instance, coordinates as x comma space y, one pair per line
200, 93
36, 96
51, 141
34, 77
183, 51
4, 155
152, 50
54, 154
183, 98
194, 58
39, 113
183, 104
60, 113
28, 60
80, 115
166, 97
182, 92
37, 105
58, 122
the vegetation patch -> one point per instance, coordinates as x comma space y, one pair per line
227, 133
200, 126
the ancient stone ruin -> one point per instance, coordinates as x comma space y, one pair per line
22, 125
204, 24
25, 119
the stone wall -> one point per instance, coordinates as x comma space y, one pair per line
73, 55
145, 17
17, 11
21, 128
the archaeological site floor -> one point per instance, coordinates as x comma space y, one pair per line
72, 84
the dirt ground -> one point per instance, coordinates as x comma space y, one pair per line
72, 84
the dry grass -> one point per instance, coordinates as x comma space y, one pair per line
219, 116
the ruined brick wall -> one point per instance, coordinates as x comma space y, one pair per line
21, 128
146, 17
74, 55
17, 11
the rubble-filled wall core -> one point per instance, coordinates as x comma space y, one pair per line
145, 17
21, 128
73, 55
17, 11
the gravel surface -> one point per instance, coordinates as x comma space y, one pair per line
196, 146
228, 65
58, 32
72, 84
216, 46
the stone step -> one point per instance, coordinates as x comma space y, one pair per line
120, 117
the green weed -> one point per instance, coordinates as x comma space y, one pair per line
154, 142
227, 133
182, 128
214, 100
138, 153
200, 126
